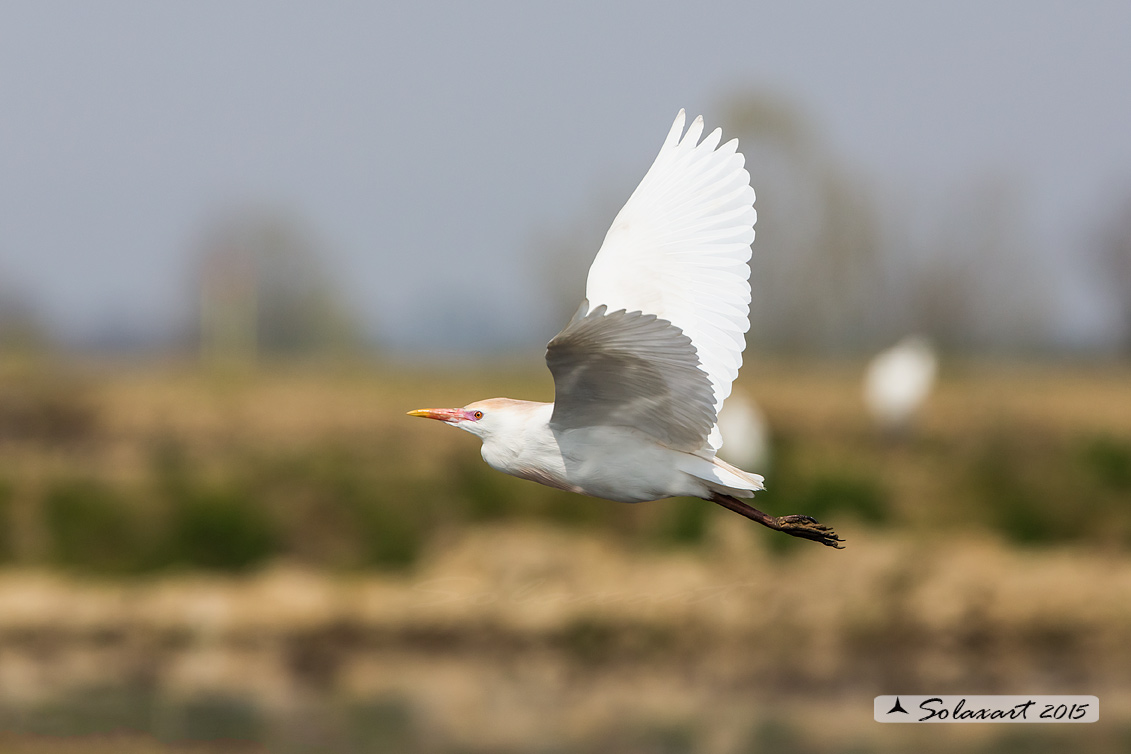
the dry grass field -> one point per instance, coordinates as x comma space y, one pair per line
283, 560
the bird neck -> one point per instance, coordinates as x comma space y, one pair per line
522, 427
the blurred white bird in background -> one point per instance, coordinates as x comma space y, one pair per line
747, 435
642, 369
897, 382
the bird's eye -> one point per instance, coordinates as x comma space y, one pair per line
478, 414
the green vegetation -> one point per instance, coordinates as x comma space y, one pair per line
1035, 490
685, 521
324, 469
1108, 460
5, 522
220, 529
825, 491
91, 526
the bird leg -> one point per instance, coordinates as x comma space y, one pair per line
805, 527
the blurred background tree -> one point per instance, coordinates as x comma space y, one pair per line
1113, 264
22, 332
264, 290
817, 267
839, 269
836, 269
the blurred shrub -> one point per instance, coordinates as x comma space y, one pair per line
684, 521
213, 717
340, 510
217, 525
1014, 508
1040, 490
85, 711
383, 723
831, 493
391, 538
779, 736
221, 529
485, 492
6, 545
90, 526
820, 491
327, 506
479, 493
1108, 460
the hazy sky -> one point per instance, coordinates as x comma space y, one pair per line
428, 144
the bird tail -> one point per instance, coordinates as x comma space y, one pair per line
720, 476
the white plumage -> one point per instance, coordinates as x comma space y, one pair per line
897, 382
680, 249
746, 432
644, 367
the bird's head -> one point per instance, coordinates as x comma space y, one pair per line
481, 418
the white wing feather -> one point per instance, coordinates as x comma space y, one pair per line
680, 249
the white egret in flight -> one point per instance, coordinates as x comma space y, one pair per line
642, 369
747, 434
897, 383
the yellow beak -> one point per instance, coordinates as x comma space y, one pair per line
442, 414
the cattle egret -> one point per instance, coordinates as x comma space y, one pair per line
642, 369
897, 382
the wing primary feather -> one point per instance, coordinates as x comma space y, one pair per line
679, 249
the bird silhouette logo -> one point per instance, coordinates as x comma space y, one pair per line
898, 708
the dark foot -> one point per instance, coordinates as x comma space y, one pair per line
805, 527
808, 527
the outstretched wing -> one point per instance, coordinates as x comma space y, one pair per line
629, 369
679, 249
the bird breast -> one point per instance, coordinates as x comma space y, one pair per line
615, 463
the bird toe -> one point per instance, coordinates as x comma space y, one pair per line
807, 527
